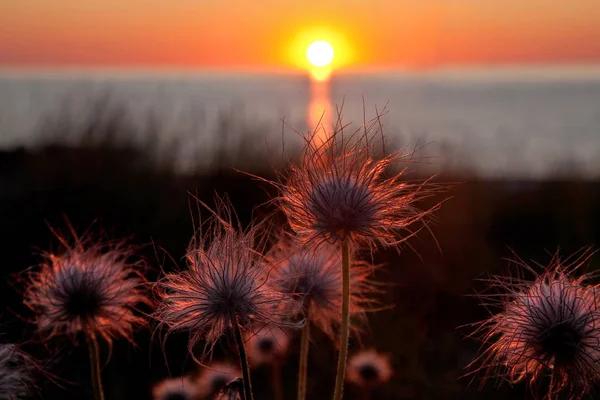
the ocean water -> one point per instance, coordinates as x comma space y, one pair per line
501, 123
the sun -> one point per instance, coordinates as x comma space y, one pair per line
319, 53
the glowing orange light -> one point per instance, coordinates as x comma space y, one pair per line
321, 51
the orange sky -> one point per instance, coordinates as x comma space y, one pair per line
268, 34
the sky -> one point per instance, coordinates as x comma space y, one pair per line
273, 34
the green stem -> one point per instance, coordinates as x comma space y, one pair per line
345, 328
247, 395
304, 347
95, 367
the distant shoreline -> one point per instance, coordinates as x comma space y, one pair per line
502, 72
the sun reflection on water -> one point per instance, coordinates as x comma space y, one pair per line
319, 110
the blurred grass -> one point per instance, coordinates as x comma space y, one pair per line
98, 168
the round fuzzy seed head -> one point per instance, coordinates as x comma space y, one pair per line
341, 206
182, 388
15, 373
314, 277
215, 377
87, 288
549, 327
223, 286
265, 344
368, 368
339, 191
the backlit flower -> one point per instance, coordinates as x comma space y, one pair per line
265, 344
313, 276
15, 373
181, 388
223, 286
368, 368
89, 287
214, 377
340, 191
547, 327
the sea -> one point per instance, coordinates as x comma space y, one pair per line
503, 122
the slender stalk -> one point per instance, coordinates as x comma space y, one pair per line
366, 393
303, 366
345, 328
277, 388
95, 367
247, 395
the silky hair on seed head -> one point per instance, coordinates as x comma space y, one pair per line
313, 276
223, 286
548, 327
15, 373
339, 190
91, 287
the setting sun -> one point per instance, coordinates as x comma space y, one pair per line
319, 53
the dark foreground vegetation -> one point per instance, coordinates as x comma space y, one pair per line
118, 189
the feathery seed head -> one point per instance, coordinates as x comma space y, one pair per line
547, 327
341, 206
215, 377
15, 373
90, 287
181, 388
313, 275
369, 368
223, 286
265, 344
339, 191
231, 391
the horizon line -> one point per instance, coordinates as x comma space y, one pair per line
548, 70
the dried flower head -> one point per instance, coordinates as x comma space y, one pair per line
232, 391
264, 345
181, 388
547, 327
222, 287
313, 276
89, 287
369, 368
339, 190
15, 373
215, 377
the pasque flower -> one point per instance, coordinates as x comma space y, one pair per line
181, 388
15, 373
89, 287
343, 189
223, 287
369, 368
549, 326
313, 276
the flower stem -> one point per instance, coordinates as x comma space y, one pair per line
277, 388
247, 395
304, 347
345, 328
95, 367
366, 393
